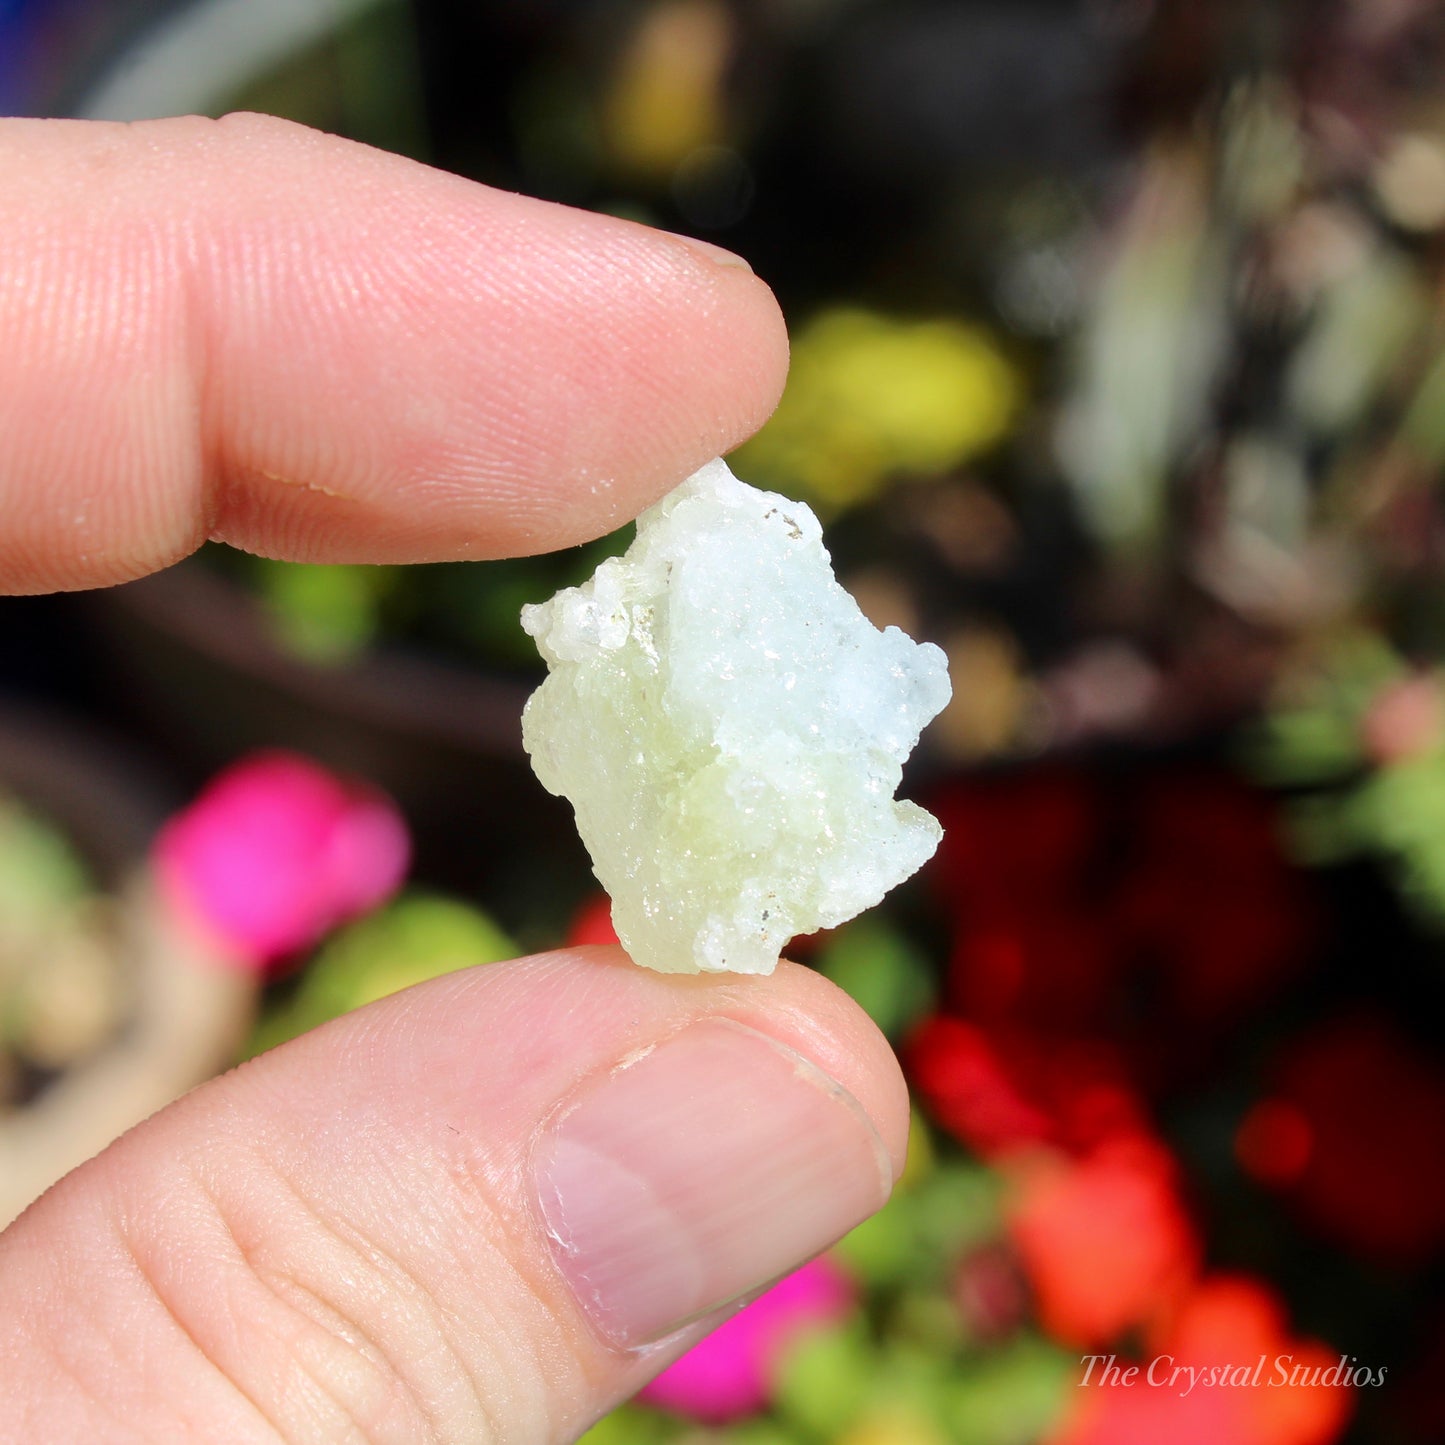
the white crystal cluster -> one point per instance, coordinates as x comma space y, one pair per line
730, 730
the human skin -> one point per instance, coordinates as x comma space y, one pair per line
478, 1210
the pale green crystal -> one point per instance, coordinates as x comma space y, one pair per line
730, 730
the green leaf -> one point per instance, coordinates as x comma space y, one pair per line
1011, 1396
418, 937
890, 979
823, 1380
909, 1241
41, 874
326, 614
630, 1425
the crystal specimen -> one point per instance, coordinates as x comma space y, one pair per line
730, 730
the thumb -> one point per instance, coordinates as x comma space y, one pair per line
488, 1208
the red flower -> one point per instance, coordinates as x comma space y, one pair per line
1224, 1370
1014, 839
1140, 1414
1173, 904
1211, 903
1105, 1240
1000, 1090
1053, 965
1234, 1318
989, 1293
1354, 1134
971, 1090
592, 923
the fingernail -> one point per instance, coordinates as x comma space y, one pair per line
716, 254
699, 1172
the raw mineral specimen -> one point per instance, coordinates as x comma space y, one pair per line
730, 730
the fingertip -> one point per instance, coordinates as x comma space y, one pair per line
795, 1005
826, 1025
315, 350
504, 1181
480, 374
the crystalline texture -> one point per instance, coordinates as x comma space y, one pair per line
730, 730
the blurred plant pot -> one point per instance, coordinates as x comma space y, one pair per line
173, 1016
198, 666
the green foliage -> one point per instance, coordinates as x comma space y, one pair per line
1424, 424
890, 977
1400, 810
59, 989
911, 1240
41, 875
824, 1380
418, 937
330, 615
361, 79
325, 614
1312, 733
631, 1425
1150, 350
845, 1384
1009, 1396
1358, 332
762, 1431
1353, 803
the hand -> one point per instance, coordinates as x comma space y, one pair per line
473, 1210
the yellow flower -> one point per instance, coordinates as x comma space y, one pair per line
871, 397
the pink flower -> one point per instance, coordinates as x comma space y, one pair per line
1403, 721
729, 1374
276, 852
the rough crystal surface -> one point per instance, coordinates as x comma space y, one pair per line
730, 730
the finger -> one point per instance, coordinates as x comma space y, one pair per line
248, 330
486, 1209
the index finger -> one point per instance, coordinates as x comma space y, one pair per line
250, 331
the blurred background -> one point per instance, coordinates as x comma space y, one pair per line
1119, 372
